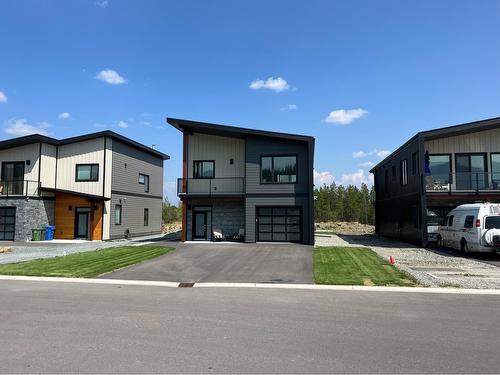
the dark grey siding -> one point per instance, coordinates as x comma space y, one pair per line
133, 216
250, 211
400, 210
128, 162
298, 194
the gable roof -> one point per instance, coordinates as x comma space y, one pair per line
447, 131
232, 131
35, 138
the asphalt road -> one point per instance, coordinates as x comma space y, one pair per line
72, 328
221, 262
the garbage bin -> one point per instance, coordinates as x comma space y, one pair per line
36, 235
49, 232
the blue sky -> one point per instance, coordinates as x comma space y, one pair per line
386, 69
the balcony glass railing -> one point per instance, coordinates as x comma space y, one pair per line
211, 186
25, 188
465, 181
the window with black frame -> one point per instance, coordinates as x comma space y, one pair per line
87, 172
440, 166
495, 171
278, 169
203, 169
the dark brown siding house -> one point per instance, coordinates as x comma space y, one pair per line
244, 183
434, 172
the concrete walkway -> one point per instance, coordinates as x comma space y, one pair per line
226, 262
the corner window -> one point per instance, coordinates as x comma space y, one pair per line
203, 169
144, 180
87, 172
118, 214
404, 172
146, 217
440, 168
278, 169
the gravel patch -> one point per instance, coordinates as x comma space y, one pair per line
430, 268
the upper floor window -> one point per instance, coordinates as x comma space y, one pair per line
203, 169
87, 172
144, 180
278, 169
414, 163
404, 172
440, 168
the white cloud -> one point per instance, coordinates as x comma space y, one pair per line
367, 164
111, 76
146, 123
345, 116
3, 97
381, 153
359, 154
323, 178
356, 178
122, 124
102, 3
20, 127
64, 115
289, 107
278, 84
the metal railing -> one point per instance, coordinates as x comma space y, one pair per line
19, 188
211, 186
462, 182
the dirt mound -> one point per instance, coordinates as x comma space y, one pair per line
170, 228
342, 227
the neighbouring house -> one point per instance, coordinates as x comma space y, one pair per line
245, 184
434, 172
97, 186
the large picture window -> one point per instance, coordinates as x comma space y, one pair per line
495, 170
278, 169
87, 172
203, 169
440, 166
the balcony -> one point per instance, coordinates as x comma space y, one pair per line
467, 182
210, 187
19, 188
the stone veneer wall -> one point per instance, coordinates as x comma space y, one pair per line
30, 214
226, 215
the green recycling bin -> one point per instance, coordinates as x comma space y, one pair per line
36, 234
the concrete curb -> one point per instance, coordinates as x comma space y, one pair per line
171, 284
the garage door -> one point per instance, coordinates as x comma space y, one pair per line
279, 224
7, 223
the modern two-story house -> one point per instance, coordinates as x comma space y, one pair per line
257, 185
434, 172
97, 186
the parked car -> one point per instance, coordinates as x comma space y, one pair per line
433, 222
472, 227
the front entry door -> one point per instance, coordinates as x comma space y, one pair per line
200, 225
82, 221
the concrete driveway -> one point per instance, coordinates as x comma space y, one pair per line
226, 262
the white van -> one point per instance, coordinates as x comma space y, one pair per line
472, 227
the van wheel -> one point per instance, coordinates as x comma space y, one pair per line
439, 241
464, 247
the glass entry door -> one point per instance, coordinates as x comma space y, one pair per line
202, 223
82, 222
471, 171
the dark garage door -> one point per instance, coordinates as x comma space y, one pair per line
279, 224
7, 223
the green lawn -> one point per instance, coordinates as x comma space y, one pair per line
356, 266
87, 264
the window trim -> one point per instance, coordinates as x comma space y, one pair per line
272, 166
203, 161
403, 166
146, 217
146, 186
87, 165
121, 214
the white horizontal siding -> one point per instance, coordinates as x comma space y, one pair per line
85, 152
